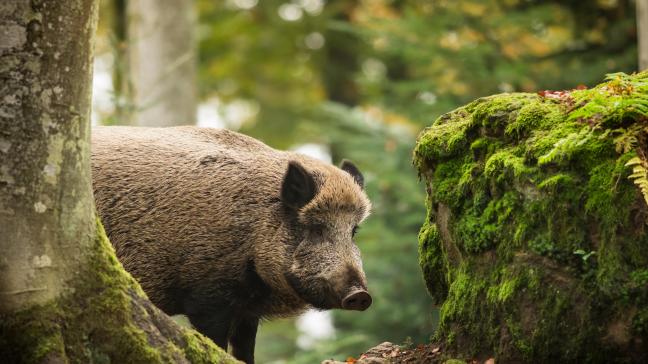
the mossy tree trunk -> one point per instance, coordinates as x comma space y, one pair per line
63, 295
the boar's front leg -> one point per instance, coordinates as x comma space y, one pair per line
242, 338
214, 325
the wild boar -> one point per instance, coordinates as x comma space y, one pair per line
222, 228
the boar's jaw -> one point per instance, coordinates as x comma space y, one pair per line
317, 292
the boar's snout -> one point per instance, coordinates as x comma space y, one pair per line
358, 300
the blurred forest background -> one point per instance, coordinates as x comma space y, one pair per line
349, 79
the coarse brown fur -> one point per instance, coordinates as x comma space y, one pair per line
205, 221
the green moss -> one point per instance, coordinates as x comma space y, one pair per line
431, 260
484, 223
548, 225
447, 137
199, 350
502, 292
450, 190
605, 194
41, 334
473, 235
495, 113
533, 116
484, 146
106, 319
558, 182
503, 165
454, 361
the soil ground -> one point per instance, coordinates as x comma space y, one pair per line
388, 353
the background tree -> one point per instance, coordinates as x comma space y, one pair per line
155, 61
162, 61
63, 295
642, 33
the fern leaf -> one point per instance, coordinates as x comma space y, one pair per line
639, 175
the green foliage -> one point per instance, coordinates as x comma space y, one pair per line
620, 108
414, 58
623, 97
437, 55
545, 246
639, 174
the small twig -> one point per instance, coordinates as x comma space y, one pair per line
22, 291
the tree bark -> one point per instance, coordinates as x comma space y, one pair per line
642, 33
45, 194
63, 295
162, 62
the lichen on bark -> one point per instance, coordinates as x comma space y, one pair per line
536, 238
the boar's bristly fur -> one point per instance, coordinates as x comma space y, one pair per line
226, 230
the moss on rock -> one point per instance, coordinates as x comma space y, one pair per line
106, 318
536, 240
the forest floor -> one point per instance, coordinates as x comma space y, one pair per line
393, 354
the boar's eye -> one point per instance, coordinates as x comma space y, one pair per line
355, 230
318, 230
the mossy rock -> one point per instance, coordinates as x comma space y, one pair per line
536, 239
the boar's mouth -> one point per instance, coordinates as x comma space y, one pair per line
315, 291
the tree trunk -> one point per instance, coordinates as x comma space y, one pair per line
46, 196
63, 295
642, 33
162, 62
342, 63
122, 85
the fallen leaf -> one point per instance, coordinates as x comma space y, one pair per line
351, 360
436, 350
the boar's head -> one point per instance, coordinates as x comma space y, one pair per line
325, 267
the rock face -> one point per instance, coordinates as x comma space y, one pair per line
536, 239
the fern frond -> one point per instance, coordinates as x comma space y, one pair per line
639, 175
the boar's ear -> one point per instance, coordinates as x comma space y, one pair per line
351, 169
298, 186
